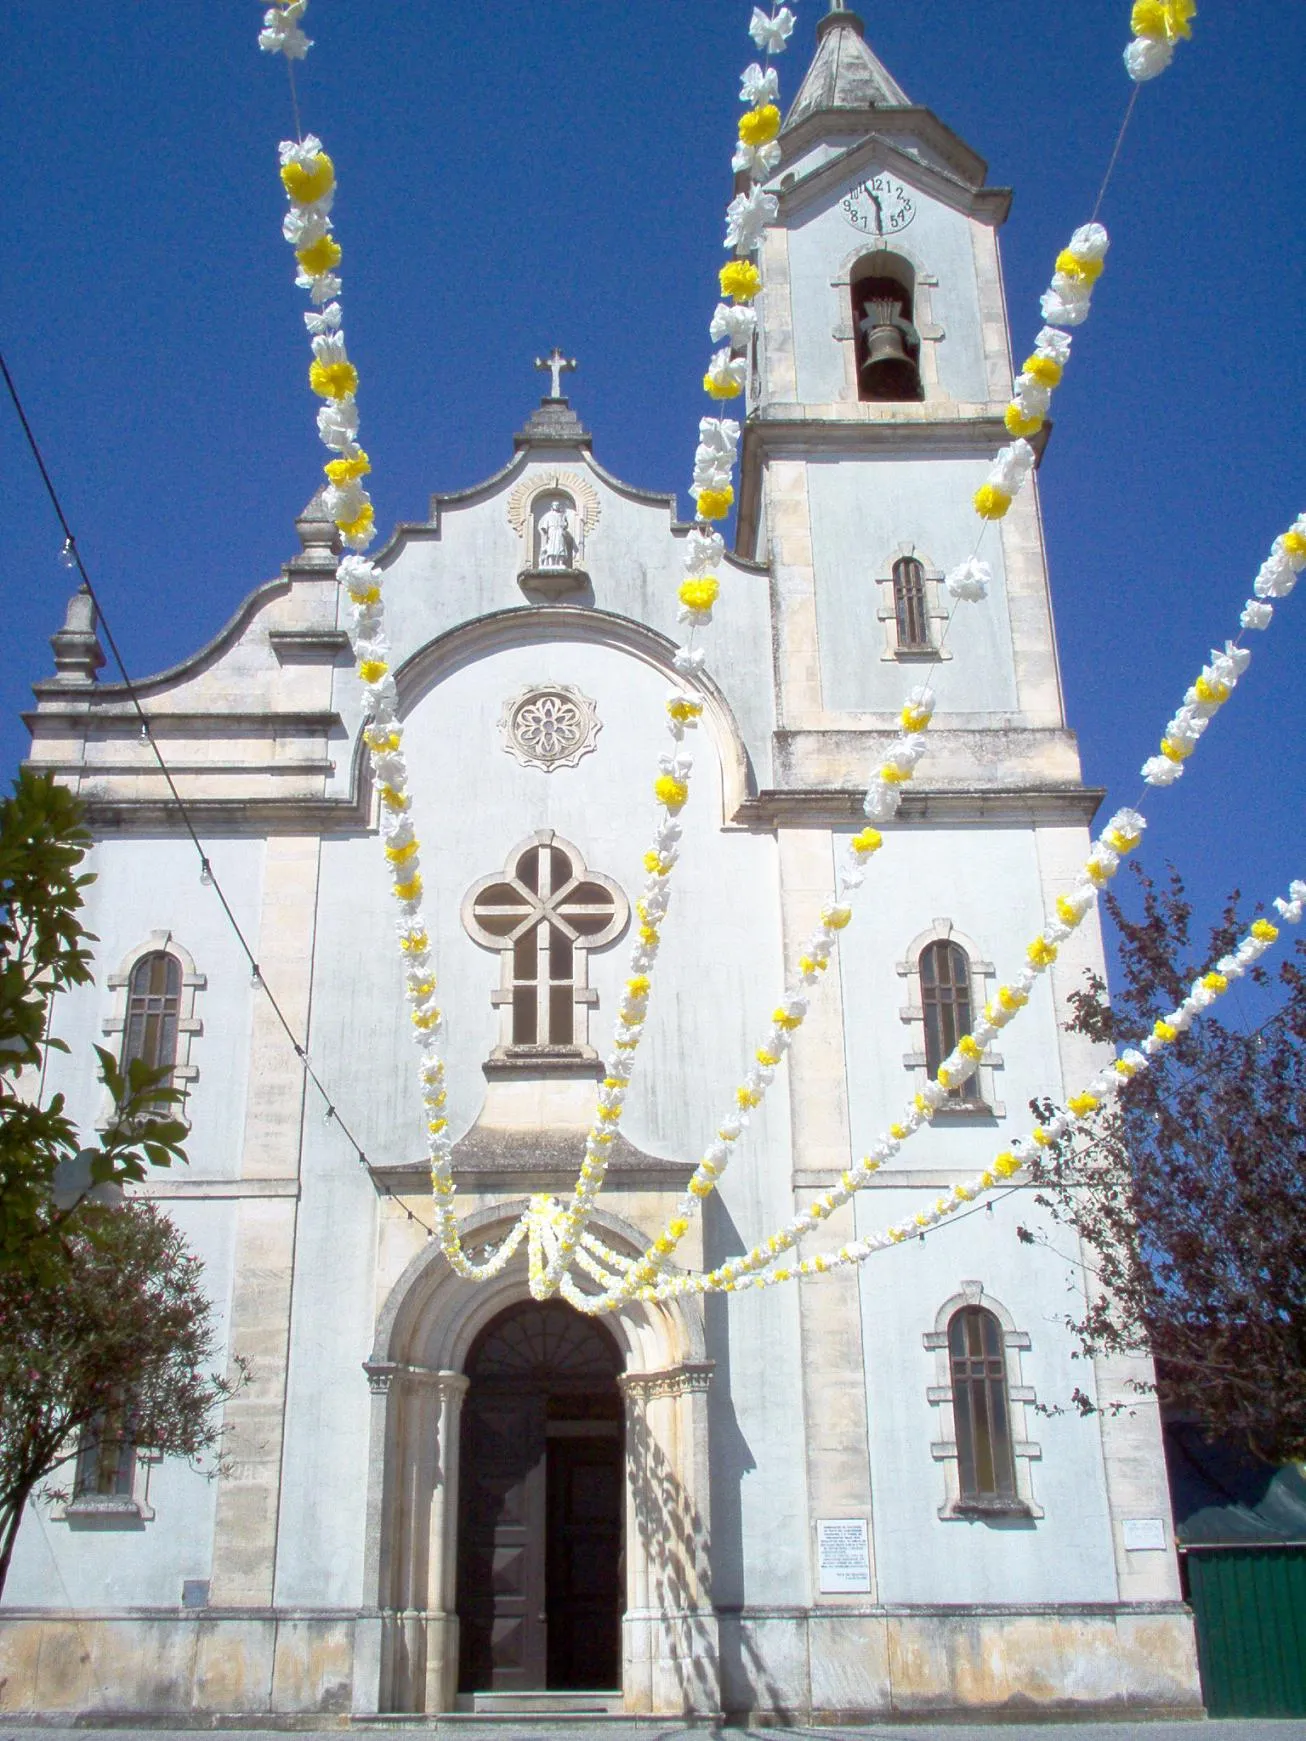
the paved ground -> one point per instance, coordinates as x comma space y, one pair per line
557, 1728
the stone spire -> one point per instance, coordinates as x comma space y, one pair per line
844, 73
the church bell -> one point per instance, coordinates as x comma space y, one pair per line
888, 369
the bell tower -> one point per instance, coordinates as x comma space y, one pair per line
881, 372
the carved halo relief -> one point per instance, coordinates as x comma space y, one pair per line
553, 513
549, 725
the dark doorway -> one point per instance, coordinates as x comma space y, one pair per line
540, 1584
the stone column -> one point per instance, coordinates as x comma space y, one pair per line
447, 1390
671, 1656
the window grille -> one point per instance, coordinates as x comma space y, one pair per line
909, 605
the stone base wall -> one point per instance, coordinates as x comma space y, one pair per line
821, 1666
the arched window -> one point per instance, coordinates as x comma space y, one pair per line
887, 343
986, 1469
153, 1006
909, 606
543, 915
946, 1006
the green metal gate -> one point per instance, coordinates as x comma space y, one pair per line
1250, 1608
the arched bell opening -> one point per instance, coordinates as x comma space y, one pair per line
883, 289
541, 1577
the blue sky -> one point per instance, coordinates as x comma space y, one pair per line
515, 177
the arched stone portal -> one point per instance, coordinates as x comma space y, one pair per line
429, 1334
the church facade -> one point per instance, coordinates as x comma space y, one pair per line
827, 1500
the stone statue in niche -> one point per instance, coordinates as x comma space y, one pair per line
558, 534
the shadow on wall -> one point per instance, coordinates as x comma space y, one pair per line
745, 1683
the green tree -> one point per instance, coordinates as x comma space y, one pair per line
43, 951
120, 1333
1191, 1194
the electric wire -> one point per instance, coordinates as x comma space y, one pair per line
207, 873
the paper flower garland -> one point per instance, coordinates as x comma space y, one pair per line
1157, 26
1219, 677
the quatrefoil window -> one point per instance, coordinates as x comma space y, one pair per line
549, 726
543, 915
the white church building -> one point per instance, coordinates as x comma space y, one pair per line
831, 1500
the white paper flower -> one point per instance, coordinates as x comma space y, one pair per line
689, 660
1256, 615
758, 86
969, 580
758, 161
1011, 466
1053, 343
1147, 56
281, 33
321, 286
771, 34
1065, 309
1032, 396
323, 319
703, 551
1277, 576
882, 801
345, 502
1091, 241
337, 422
719, 435
735, 323
304, 225
725, 370
747, 215
1161, 771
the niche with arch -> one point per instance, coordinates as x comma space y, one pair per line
887, 344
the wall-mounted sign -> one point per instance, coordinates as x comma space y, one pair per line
843, 1556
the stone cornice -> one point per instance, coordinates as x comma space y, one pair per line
824, 807
693, 1376
961, 186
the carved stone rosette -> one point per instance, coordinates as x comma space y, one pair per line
549, 725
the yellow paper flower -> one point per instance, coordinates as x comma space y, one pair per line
741, 280
1041, 953
1295, 543
1018, 424
343, 471
893, 776
1122, 842
788, 1022
436, 1125
401, 854
1040, 1136
1215, 982
359, 527
1079, 266
306, 182
969, 1047
670, 791
1082, 1104
364, 595
868, 841
715, 504
656, 865
1011, 999
1067, 911
333, 380
836, 918
639, 985
991, 503
720, 387
372, 670
899, 1132
415, 943
759, 126
765, 1058
1176, 749
700, 1187
943, 1077
1214, 694
699, 593
409, 891
1165, 1031
1006, 1164
425, 1020
914, 717
324, 255
1047, 371
1264, 931
746, 1097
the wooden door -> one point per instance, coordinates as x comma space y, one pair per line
584, 1583
501, 1560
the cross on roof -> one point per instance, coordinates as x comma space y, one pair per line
555, 364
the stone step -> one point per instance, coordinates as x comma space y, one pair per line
544, 1704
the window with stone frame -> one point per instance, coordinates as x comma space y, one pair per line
946, 1004
154, 1011
543, 915
986, 1458
947, 982
110, 1473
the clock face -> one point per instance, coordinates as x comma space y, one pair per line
880, 206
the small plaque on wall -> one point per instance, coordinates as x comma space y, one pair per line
843, 1556
1144, 1534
